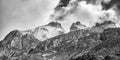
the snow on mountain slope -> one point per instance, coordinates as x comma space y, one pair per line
47, 31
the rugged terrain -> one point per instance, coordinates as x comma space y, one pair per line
78, 44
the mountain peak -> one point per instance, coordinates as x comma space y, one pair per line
47, 31
55, 24
77, 25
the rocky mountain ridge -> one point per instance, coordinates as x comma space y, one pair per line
80, 44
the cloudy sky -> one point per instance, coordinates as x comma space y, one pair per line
24, 14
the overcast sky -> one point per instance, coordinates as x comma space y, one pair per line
24, 14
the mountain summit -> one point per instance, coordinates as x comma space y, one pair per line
47, 31
77, 26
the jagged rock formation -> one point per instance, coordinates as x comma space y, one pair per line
77, 26
81, 44
19, 42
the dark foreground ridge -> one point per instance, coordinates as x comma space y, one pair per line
75, 45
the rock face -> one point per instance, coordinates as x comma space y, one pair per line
80, 44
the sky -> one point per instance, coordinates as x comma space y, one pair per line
24, 14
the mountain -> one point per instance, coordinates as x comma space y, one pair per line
67, 45
22, 41
77, 26
79, 44
47, 31
17, 40
39, 33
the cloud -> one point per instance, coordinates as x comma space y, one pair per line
87, 13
